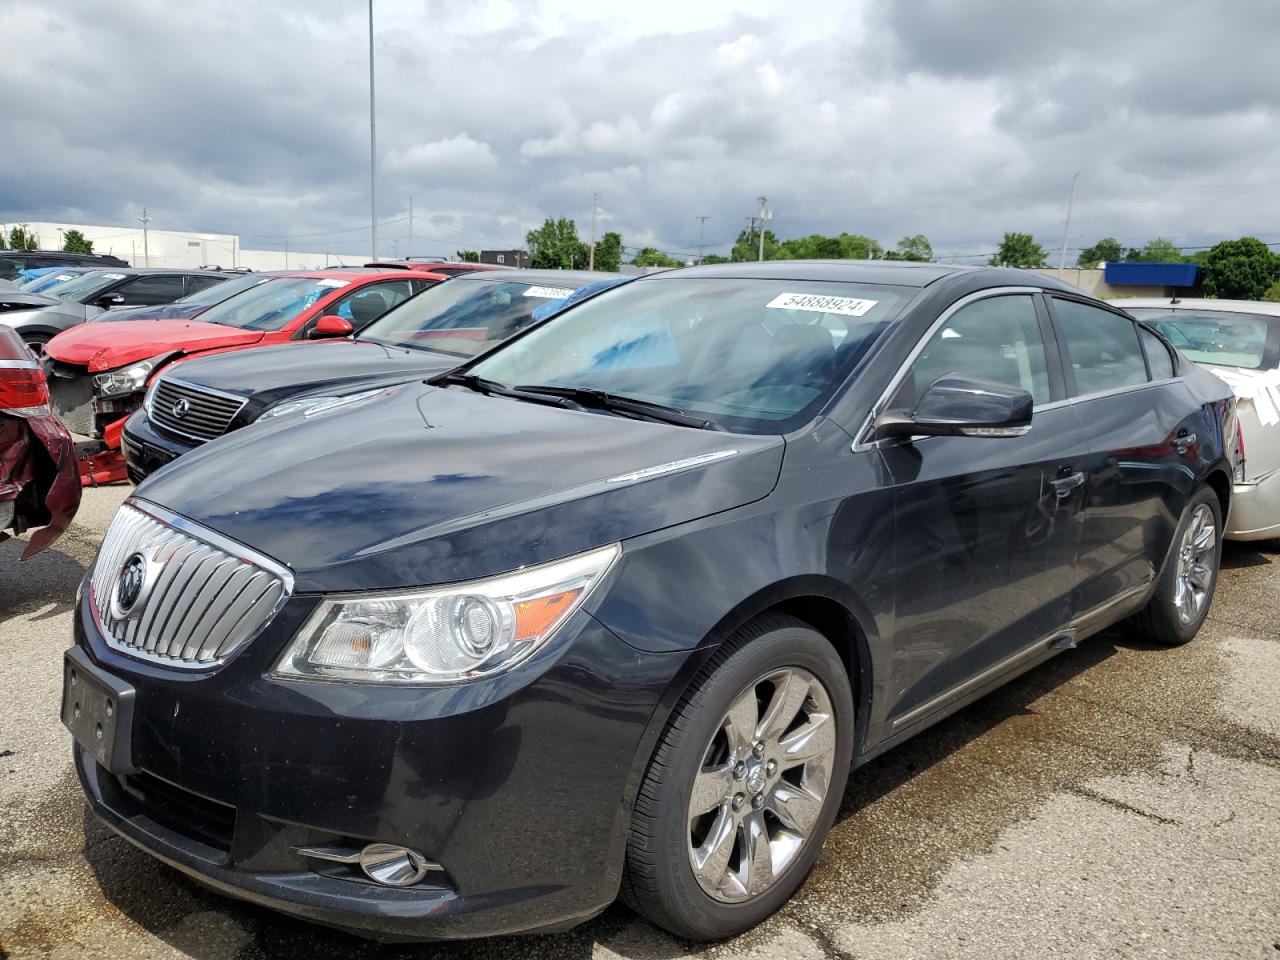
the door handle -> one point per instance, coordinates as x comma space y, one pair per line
1063, 486
1184, 440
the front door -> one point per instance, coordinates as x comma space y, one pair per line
987, 529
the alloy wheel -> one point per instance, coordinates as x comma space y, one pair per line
759, 792
1196, 555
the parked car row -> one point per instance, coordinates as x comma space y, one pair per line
469, 622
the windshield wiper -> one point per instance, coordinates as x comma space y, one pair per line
602, 400
493, 388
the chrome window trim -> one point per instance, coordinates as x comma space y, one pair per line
233, 549
860, 443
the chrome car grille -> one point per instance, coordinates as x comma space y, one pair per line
191, 411
199, 597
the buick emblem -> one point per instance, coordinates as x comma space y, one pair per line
129, 586
181, 407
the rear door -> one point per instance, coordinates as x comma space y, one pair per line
987, 529
1142, 440
149, 290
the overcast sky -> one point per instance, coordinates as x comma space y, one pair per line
959, 120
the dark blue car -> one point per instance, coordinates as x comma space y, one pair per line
618, 605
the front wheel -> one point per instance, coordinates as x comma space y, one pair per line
744, 784
1185, 590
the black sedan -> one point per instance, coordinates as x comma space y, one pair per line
620, 604
38, 318
433, 331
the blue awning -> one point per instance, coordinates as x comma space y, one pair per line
1152, 274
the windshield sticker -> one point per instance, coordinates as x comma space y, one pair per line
332, 283
114, 276
846, 306
549, 293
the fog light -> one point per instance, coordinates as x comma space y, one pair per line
383, 863
393, 866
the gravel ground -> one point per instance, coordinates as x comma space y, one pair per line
1119, 801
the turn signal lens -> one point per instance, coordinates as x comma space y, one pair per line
447, 634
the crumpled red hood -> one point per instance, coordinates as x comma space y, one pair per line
19, 467
107, 345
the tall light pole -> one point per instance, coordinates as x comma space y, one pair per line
595, 210
1066, 231
765, 216
146, 252
373, 146
702, 226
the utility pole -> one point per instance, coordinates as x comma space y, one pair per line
286, 254
595, 210
408, 244
373, 147
702, 226
1071, 200
146, 252
765, 216
233, 251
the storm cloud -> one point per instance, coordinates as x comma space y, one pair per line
959, 120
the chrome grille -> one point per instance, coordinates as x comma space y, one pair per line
204, 597
205, 416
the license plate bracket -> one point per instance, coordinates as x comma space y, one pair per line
98, 710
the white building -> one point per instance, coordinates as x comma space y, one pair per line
172, 248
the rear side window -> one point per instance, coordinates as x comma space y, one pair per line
996, 339
1158, 356
197, 283
1103, 347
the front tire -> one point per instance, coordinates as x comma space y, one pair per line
744, 784
1184, 593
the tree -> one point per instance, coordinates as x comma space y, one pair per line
73, 241
714, 258
21, 238
555, 246
747, 246
1273, 293
1158, 250
1241, 269
917, 248
651, 257
467, 256
1018, 250
609, 252
1106, 250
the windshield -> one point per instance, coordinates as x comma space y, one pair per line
1216, 336
83, 287
273, 304
463, 317
217, 292
47, 281
753, 356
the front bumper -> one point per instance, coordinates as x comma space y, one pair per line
146, 449
1255, 509
520, 787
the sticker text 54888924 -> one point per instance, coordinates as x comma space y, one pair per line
817, 303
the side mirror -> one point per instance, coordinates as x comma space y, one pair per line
332, 325
958, 406
107, 301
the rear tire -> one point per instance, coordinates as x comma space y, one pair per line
36, 342
1184, 593
762, 741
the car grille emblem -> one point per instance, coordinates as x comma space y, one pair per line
181, 407
129, 586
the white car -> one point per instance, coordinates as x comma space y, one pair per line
1239, 340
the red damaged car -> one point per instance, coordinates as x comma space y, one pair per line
39, 482
98, 372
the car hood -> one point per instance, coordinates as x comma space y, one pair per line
274, 373
168, 311
428, 484
107, 345
23, 300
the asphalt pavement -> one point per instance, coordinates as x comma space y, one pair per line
1120, 801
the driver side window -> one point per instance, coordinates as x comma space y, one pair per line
996, 339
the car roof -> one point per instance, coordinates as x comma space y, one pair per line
345, 273
552, 278
901, 273
146, 271
1263, 307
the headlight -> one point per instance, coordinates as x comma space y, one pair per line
310, 406
447, 634
126, 380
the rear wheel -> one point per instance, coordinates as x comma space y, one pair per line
1184, 593
36, 341
744, 784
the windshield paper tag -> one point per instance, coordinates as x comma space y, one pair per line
114, 276
549, 293
814, 303
332, 283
